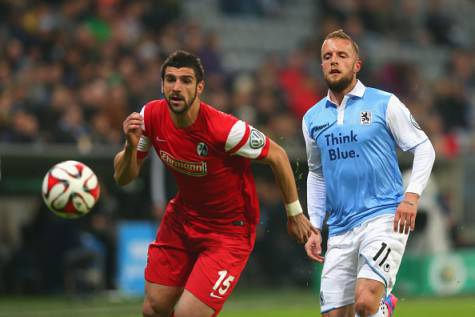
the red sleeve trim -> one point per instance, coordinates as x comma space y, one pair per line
265, 150
242, 142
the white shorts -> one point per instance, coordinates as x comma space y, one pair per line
372, 250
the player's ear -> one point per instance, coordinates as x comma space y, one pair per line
358, 65
200, 87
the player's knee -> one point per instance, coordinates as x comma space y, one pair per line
193, 311
364, 306
154, 308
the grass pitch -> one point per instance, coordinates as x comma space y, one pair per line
244, 303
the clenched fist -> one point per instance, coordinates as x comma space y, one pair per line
132, 128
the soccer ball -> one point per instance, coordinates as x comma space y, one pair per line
70, 189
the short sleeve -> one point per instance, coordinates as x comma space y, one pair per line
144, 143
245, 140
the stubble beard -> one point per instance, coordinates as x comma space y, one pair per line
339, 85
186, 107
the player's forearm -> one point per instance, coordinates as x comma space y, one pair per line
316, 198
282, 170
126, 166
424, 157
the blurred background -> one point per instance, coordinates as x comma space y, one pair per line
71, 71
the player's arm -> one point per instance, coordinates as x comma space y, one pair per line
126, 163
246, 141
316, 196
410, 137
297, 224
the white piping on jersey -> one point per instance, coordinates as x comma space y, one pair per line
235, 135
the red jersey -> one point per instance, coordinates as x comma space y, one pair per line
211, 163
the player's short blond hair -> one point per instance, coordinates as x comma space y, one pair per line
340, 34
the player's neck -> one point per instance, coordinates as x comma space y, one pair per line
186, 119
337, 96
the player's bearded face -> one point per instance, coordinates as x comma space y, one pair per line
339, 63
180, 89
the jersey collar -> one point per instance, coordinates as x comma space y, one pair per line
357, 91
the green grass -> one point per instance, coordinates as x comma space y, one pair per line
243, 304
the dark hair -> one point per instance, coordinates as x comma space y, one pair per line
181, 59
340, 34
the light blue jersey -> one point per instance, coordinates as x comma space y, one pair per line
354, 148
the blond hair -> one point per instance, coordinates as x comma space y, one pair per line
340, 34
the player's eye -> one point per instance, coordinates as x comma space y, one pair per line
170, 79
187, 80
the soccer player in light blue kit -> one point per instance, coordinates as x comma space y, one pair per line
351, 137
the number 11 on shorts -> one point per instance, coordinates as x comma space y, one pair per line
222, 284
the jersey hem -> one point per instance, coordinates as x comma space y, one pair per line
358, 223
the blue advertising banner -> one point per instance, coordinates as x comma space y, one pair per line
133, 240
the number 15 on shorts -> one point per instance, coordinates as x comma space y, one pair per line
222, 284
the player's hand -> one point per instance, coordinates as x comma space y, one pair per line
132, 127
405, 218
313, 246
299, 227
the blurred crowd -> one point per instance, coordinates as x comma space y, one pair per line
70, 72
438, 91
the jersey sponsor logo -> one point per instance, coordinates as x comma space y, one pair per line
365, 117
414, 123
190, 168
202, 149
336, 153
256, 139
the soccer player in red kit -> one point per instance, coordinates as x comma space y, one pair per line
208, 230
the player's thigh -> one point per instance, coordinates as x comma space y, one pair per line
170, 259
381, 251
218, 268
190, 306
339, 273
159, 299
345, 311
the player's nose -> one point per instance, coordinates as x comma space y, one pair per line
177, 86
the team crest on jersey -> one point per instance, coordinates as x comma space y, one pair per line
202, 149
257, 139
365, 117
